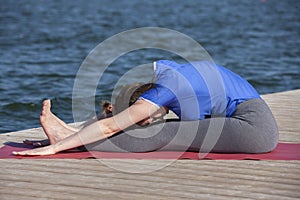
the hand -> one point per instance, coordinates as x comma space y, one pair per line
37, 143
48, 150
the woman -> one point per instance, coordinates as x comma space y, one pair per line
200, 93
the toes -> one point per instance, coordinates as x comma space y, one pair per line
47, 103
43, 112
46, 107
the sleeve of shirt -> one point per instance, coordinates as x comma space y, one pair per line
159, 95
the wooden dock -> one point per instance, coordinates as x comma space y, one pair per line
181, 179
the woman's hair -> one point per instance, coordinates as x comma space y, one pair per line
106, 107
129, 94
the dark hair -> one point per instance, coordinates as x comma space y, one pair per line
129, 94
105, 104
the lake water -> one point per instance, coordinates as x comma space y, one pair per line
43, 43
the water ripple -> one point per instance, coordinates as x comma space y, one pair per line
43, 44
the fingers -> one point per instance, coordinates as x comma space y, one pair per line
23, 153
29, 142
35, 152
18, 153
37, 143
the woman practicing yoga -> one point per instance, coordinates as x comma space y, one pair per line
198, 93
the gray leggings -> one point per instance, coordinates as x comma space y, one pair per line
251, 129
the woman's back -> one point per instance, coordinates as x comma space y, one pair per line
211, 88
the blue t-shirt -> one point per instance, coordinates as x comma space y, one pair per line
198, 90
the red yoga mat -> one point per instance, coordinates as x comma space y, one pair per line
283, 151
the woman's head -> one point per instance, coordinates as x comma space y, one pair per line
129, 94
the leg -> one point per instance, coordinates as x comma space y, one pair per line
252, 129
144, 139
54, 128
52, 124
94, 119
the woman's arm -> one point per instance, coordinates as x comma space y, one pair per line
99, 130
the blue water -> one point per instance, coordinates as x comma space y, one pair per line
43, 44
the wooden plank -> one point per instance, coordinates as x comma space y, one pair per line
286, 109
181, 179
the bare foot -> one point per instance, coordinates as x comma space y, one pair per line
55, 129
48, 119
